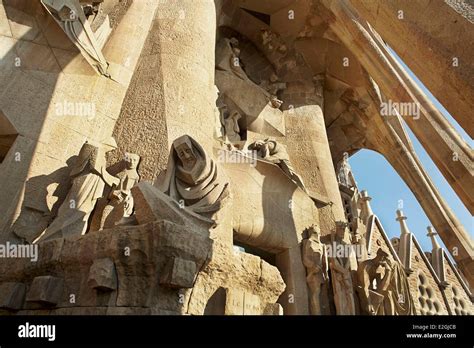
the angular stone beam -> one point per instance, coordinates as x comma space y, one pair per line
456, 166
397, 125
436, 134
387, 137
427, 25
384, 139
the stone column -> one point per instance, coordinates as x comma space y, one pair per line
309, 151
366, 208
406, 242
173, 89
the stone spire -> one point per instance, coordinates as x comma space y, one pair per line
402, 220
437, 257
432, 234
406, 242
366, 209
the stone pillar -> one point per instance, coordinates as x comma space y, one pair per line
173, 89
309, 151
295, 297
437, 257
406, 242
402, 220
366, 209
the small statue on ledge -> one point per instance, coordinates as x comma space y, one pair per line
272, 151
120, 203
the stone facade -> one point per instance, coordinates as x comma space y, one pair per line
191, 157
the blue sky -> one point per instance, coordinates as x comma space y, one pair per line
374, 174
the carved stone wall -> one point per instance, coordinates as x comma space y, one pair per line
56, 101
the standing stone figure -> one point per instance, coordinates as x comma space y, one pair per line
193, 179
274, 152
89, 177
229, 51
383, 287
120, 204
344, 172
316, 263
341, 267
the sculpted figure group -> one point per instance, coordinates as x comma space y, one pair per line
383, 287
104, 195
90, 179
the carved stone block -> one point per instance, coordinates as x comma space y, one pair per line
45, 290
273, 309
102, 275
239, 302
151, 204
179, 273
12, 295
234, 302
251, 304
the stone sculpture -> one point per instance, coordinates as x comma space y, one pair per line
230, 52
272, 151
367, 273
193, 179
383, 287
89, 177
344, 172
120, 200
273, 87
316, 263
232, 128
72, 20
341, 269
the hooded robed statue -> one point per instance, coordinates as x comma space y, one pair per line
193, 179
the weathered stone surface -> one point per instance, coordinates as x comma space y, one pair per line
237, 271
30, 64
102, 275
152, 204
239, 302
273, 309
12, 295
318, 82
179, 273
252, 305
234, 302
45, 290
